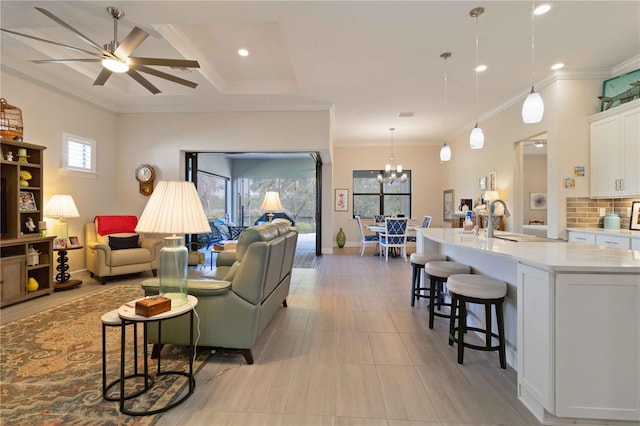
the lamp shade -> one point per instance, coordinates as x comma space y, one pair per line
533, 108
61, 206
491, 195
174, 208
271, 202
445, 152
476, 139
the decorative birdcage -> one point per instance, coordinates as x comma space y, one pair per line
10, 121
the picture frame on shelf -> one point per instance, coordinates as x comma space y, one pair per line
60, 244
634, 221
74, 241
341, 200
447, 205
27, 202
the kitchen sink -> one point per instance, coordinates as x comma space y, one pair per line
523, 238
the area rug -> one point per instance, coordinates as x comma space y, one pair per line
51, 366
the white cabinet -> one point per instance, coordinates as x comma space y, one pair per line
613, 241
615, 152
535, 339
597, 367
582, 237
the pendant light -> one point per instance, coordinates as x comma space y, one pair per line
476, 139
533, 107
445, 151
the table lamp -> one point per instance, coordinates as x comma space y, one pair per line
174, 208
271, 203
61, 206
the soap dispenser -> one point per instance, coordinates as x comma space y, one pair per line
468, 223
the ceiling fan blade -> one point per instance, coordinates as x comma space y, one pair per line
51, 42
130, 42
140, 79
73, 30
63, 61
166, 76
102, 77
178, 63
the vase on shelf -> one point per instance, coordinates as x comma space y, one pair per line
341, 238
24, 183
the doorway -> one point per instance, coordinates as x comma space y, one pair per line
242, 179
533, 192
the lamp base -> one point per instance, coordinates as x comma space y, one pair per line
61, 230
173, 270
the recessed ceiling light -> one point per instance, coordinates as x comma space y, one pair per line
243, 52
557, 66
481, 68
542, 9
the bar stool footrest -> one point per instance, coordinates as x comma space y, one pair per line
453, 338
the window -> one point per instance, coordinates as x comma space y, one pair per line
213, 191
371, 197
78, 153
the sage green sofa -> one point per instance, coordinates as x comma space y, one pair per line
236, 306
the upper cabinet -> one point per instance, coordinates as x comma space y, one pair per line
615, 152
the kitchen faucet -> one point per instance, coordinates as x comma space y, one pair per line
490, 207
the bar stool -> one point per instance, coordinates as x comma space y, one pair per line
418, 260
112, 319
471, 288
438, 273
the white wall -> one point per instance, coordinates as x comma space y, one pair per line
127, 140
160, 139
426, 187
567, 104
46, 115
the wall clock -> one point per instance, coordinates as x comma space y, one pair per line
145, 176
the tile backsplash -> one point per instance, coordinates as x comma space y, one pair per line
583, 212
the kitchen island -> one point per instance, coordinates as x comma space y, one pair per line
572, 320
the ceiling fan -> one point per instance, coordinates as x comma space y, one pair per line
114, 55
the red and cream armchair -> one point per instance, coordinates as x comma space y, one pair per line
114, 248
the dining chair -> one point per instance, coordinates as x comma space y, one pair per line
378, 218
426, 222
395, 236
365, 239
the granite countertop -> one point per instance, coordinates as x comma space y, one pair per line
552, 255
619, 232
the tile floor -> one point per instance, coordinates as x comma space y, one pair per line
350, 350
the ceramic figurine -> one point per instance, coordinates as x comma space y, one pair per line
10, 156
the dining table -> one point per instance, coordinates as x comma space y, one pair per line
380, 227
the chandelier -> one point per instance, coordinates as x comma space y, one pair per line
392, 172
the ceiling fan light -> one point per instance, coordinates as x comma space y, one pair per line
115, 65
533, 108
445, 152
476, 139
